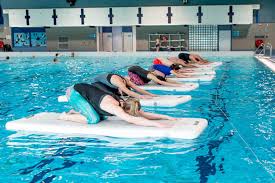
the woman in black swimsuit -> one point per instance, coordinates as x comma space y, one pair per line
140, 76
107, 104
120, 85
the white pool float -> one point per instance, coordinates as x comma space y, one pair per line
166, 100
159, 101
194, 78
199, 72
49, 123
185, 87
210, 65
200, 69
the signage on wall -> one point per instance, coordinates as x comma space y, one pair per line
29, 37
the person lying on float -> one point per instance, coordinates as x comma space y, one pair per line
140, 77
93, 105
191, 58
121, 86
173, 69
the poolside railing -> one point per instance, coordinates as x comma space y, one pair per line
263, 48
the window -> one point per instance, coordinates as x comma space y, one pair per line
63, 43
203, 37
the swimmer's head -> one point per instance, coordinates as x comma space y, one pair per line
7, 57
176, 66
132, 106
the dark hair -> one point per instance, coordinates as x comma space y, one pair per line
176, 66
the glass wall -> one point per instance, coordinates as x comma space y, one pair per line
203, 38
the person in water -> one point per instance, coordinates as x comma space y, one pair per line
94, 104
192, 58
172, 60
121, 86
140, 76
55, 58
168, 70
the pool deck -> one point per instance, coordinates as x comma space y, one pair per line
268, 61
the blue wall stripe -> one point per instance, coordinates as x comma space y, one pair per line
127, 29
107, 29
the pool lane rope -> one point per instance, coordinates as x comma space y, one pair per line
236, 130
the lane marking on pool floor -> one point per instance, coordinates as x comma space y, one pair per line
234, 127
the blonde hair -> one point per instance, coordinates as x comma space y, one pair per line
132, 106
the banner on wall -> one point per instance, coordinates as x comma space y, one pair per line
29, 38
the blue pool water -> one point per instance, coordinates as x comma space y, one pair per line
238, 145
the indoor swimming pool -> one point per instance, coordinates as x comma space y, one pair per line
238, 104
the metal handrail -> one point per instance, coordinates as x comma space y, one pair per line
264, 46
261, 46
269, 45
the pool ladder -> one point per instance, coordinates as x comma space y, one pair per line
263, 48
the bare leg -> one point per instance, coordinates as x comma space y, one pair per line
75, 117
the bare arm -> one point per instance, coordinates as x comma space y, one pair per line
122, 86
110, 105
156, 80
138, 89
154, 116
179, 75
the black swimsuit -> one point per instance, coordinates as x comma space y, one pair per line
184, 56
142, 73
94, 96
103, 82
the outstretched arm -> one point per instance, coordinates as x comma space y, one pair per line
180, 75
156, 80
138, 89
154, 116
122, 86
198, 59
108, 105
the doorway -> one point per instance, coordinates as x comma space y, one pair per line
116, 39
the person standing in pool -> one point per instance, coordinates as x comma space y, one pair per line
94, 104
140, 76
55, 60
120, 85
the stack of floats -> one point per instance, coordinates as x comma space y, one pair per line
183, 128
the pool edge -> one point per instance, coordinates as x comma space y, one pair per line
266, 61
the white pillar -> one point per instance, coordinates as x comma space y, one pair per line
134, 38
97, 39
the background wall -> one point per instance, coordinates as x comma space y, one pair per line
249, 33
80, 39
